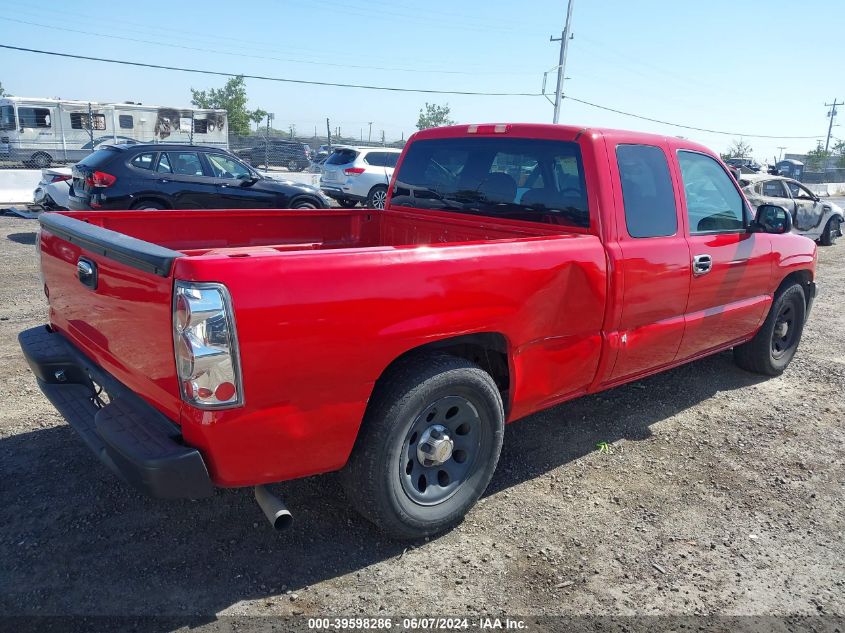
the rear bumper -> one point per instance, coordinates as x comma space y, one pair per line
129, 436
337, 193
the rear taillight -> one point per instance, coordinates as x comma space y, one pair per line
60, 178
353, 171
100, 179
206, 346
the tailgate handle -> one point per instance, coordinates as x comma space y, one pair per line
86, 270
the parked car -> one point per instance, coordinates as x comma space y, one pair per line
53, 190
294, 155
746, 165
243, 348
813, 218
170, 176
359, 174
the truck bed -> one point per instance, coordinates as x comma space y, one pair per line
239, 233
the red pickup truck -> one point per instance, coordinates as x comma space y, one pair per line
514, 267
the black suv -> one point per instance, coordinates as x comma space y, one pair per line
279, 152
147, 176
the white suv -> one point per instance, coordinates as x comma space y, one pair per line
359, 174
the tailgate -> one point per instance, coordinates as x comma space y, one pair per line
111, 296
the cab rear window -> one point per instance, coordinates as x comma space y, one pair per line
515, 178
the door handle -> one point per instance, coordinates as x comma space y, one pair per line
701, 264
163, 180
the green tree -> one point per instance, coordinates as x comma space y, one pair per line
2, 92
817, 158
232, 99
258, 116
433, 115
839, 150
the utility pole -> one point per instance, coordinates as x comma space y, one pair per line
328, 134
832, 115
267, 142
564, 45
370, 134
781, 148
382, 138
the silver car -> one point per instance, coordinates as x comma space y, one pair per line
359, 174
819, 220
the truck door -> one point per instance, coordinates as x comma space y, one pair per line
655, 260
731, 268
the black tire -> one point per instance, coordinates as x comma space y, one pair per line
830, 233
348, 204
41, 160
377, 197
148, 205
773, 347
385, 480
305, 204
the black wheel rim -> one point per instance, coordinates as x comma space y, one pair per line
784, 334
452, 419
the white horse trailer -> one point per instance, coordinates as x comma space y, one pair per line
42, 132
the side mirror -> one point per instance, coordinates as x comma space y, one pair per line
248, 180
772, 219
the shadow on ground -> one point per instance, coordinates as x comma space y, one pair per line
77, 542
22, 238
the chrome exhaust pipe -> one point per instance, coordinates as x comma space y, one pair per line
274, 508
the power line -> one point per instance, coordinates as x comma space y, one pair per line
394, 89
686, 127
266, 78
248, 55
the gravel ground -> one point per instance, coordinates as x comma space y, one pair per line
722, 494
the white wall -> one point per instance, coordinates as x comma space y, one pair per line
17, 185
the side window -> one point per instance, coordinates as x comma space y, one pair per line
34, 117
143, 161
201, 126
126, 121
164, 165
225, 167
390, 159
80, 121
774, 189
376, 159
799, 191
647, 192
185, 163
713, 203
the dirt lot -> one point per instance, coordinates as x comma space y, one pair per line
722, 494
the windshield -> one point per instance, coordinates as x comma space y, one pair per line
520, 179
7, 117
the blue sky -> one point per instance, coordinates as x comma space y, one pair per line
750, 67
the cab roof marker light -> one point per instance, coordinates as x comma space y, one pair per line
501, 128
472, 129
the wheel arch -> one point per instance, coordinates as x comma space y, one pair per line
151, 198
488, 350
804, 278
303, 197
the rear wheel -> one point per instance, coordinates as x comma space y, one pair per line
41, 160
773, 347
377, 197
304, 204
830, 233
147, 205
428, 446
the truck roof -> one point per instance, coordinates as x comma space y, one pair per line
552, 130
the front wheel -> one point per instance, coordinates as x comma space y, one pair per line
773, 347
41, 160
831, 232
377, 197
347, 203
304, 204
428, 446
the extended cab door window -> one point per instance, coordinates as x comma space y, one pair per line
647, 192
